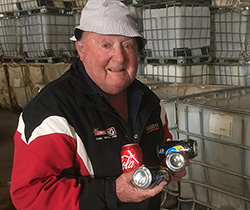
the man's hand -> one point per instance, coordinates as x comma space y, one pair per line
177, 176
126, 191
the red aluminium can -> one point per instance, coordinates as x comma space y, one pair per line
131, 157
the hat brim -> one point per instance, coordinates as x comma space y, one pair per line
73, 39
141, 40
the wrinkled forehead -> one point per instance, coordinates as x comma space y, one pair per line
114, 37
86, 35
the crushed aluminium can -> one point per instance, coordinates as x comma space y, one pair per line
187, 147
175, 161
144, 177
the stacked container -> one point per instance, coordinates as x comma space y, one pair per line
204, 43
36, 30
178, 34
10, 38
219, 178
230, 42
46, 35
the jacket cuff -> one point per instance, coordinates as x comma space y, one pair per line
110, 194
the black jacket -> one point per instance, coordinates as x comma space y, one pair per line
68, 143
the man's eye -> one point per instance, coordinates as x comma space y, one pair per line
128, 46
105, 45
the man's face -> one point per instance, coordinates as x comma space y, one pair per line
109, 60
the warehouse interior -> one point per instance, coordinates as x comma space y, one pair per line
197, 60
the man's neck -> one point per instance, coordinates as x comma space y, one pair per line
120, 103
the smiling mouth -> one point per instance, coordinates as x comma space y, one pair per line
116, 70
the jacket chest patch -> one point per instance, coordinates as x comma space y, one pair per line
152, 127
104, 134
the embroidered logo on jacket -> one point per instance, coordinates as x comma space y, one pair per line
152, 127
105, 134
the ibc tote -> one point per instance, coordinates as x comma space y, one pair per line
219, 178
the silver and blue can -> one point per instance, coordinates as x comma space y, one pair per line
145, 177
175, 161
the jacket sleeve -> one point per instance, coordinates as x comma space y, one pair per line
52, 170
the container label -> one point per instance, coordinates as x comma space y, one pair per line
221, 124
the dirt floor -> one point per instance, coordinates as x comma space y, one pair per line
8, 125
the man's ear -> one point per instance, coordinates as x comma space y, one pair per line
80, 49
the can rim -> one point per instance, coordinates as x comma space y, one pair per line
130, 144
172, 167
147, 173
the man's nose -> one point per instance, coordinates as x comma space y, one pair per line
119, 54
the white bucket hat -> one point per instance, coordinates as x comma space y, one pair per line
108, 17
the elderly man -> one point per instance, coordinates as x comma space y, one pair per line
69, 138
